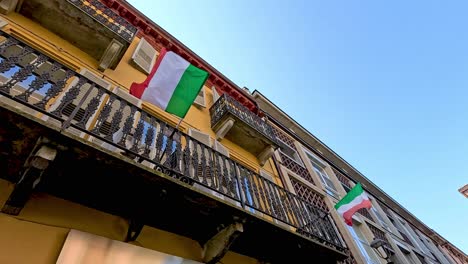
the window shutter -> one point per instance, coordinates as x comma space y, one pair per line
215, 94
200, 136
93, 77
144, 55
220, 148
200, 100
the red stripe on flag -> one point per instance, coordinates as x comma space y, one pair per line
348, 215
137, 89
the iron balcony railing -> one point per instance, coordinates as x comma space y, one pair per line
226, 104
37, 82
104, 15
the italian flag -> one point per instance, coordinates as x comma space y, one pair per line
353, 201
172, 85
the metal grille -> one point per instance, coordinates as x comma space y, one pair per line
308, 194
365, 212
377, 233
296, 168
342, 178
283, 137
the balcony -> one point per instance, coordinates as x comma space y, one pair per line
113, 156
231, 120
87, 24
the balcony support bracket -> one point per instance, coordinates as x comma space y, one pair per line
34, 167
265, 155
134, 230
224, 128
215, 249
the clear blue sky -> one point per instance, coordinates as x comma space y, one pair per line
383, 83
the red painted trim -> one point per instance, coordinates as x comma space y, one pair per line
159, 39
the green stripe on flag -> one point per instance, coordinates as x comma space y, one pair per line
355, 192
186, 91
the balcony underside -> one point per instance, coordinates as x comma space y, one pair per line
244, 135
103, 180
81, 29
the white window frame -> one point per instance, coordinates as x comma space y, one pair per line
414, 240
380, 218
321, 173
296, 158
361, 243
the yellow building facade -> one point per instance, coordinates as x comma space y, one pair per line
91, 174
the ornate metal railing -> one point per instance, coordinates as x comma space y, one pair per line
226, 104
378, 233
77, 104
104, 15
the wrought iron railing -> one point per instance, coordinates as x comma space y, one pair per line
226, 104
104, 15
76, 103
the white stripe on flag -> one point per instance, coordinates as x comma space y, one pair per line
166, 79
357, 200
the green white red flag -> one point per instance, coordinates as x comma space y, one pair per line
172, 85
352, 202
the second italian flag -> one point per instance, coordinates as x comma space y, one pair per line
352, 202
172, 85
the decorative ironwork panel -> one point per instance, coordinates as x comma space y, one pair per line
365, 212
308, 194
342, 178
107, 17
377, 233
283, 137
227, 104
296, 168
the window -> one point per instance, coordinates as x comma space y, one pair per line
380, 218
291, 153
414, 238
200, 100
144, 56
366, 251
319, 169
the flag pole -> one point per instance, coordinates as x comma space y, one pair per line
176, 128
170, 137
